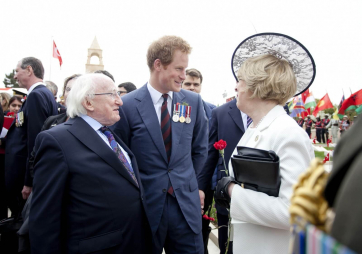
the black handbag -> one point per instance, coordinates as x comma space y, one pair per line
257, 170
8, 236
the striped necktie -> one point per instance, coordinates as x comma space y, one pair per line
249, 121
166, 126
166, 134
118, 151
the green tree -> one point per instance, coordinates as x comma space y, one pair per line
330, 111
9, 81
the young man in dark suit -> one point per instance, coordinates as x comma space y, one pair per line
170, 147
227, 123
19, 142
87, 196
193, 83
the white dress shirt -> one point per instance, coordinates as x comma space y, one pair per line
245, 119
35, 85
157, 100
95, 125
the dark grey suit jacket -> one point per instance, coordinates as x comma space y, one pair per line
344, 189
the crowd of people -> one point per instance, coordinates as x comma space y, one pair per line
338, 127
116, 169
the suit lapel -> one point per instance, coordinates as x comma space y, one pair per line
207, 110
176, 128
85, 134
235, 114
130, 154
146, 109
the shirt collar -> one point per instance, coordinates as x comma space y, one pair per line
92, 122
156, 95
33, 86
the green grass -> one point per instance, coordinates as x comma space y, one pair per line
321, 155
329, 148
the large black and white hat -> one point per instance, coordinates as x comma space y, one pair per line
281, 46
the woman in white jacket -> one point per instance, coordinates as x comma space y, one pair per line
261, 222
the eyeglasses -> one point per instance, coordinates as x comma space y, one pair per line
113, 95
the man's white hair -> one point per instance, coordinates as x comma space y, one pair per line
83, 89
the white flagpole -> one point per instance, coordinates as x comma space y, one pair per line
50, 62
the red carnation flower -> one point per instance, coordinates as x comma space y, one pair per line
220, 145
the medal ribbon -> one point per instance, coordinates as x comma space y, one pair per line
182, 113
188, 111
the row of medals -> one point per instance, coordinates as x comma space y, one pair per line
176, 115
19, 119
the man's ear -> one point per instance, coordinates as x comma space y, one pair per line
157, 65
88, 104
30, 70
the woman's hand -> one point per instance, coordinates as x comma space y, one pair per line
230, 189
222, 191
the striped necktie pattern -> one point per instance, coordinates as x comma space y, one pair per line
118, 151
166, 126
249, 121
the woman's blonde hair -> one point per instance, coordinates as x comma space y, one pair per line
5, 97
268, 78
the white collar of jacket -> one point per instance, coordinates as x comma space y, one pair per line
273, 114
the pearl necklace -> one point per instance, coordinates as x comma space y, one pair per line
258, 122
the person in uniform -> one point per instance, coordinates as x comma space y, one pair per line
325, 123
301, 122
308, 126
333, 124
318, 128
344, 124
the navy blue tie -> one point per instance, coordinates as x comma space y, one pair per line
249, 121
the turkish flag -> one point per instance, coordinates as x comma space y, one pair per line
354, 100
305, 95
56, 54
324, 103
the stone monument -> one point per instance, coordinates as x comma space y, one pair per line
94, 50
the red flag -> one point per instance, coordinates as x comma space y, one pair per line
56, 54
354, 100
305, 95
324, 103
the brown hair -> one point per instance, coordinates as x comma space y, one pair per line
194, 73
164, 48
16, 97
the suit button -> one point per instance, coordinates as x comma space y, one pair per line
169, 171
164, 190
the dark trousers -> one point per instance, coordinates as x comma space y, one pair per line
318, 134
174, 233
3, 206
206, 229
308, 132
324, 131
223, 220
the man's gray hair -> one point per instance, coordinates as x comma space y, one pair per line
82, 89
52, 87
